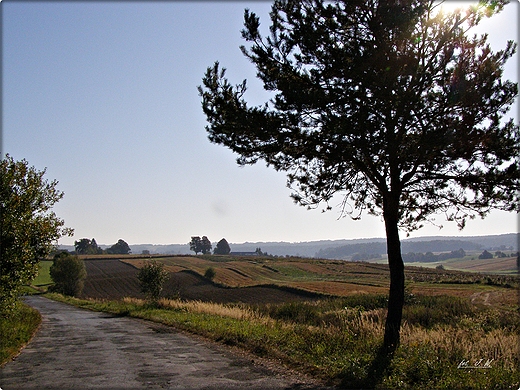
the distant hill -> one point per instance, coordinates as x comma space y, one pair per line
427, 244
341, 249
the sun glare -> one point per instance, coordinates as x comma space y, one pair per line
456, 6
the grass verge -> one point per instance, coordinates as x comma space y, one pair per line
337, 340
16, 329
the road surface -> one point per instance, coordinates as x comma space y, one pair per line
81, 349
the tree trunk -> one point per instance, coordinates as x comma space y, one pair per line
396, 266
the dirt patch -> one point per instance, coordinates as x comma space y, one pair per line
113, 279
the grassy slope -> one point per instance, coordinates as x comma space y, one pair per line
43, 277
16, 330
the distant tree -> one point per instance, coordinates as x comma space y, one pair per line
392, 105
145, 252
81, 246
151, 279
95, 248
119, 248
500, 254
196, 244
222, 248
68, 273
205, 245
29, 229
87, 247
485, 255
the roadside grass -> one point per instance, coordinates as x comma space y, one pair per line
16, 329
338, 340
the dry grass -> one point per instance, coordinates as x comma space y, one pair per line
497, 345
229, 311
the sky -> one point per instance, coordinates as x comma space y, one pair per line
104, 96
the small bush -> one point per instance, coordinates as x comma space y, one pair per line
151, 278
210, 273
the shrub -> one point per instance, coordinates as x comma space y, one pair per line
68, 274
210, 273
151, 278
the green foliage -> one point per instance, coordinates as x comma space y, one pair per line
87, 247
198, 244
222, 248
29, 228
119, 248
210, 273
485, 255
151, 278
388, 103
336, 71
17, 329
68, 273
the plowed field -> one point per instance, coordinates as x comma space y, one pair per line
112, 279
267, 280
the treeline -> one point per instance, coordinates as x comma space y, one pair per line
203, 245
90, 247
379, 248
429, 257
365, 256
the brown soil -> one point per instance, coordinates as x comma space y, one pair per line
113, 279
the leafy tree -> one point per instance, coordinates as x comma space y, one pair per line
29, 229
196, 244
119, 248
205, 245
222, 248
485, 255
151, 279
87, 247
389, 104
68, 274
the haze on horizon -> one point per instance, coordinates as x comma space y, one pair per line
104, 94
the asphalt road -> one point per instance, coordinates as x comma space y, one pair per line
81, 349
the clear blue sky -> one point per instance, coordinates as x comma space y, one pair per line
104, 95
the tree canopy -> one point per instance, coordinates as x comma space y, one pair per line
222, 248
85, 246
198, 244
68, 273
29, 229
391, 104
119, 248
195, 244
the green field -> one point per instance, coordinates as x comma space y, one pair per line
43, 278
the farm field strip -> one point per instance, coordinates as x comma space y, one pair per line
484, 265
331, 277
